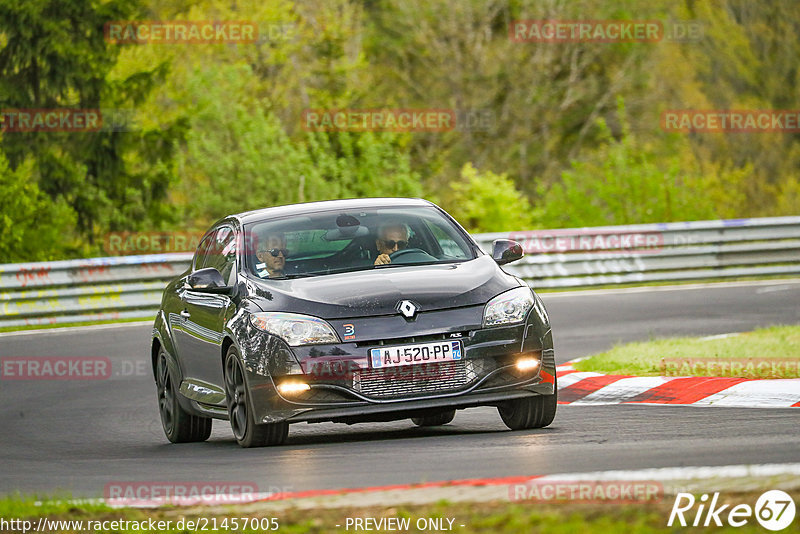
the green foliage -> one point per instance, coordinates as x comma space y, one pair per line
349, 165
54, 55
239, 157
625, 181
33, 224
488, 202
218, 127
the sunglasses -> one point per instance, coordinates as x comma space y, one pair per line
276, 251
391, 243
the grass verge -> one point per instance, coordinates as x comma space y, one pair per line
772, 352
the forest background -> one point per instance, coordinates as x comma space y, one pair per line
568, 134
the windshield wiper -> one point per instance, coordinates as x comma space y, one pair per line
288, 276
366, 268
435, 262
343, 270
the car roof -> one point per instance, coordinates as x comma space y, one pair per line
312, 207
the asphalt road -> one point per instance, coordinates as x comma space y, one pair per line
79, 436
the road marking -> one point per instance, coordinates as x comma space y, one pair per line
781, 392
621, 390
770, 289
73, 329
686, 473
625, 290
720, 336
588, 388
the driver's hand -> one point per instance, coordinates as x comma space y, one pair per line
383, 259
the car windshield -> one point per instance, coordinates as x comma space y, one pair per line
351, 240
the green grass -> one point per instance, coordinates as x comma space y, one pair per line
772, 352
491, 517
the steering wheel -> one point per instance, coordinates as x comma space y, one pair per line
410, 255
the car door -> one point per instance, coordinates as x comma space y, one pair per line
203, 314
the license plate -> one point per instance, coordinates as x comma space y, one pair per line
440, 351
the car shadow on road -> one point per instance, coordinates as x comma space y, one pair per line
322, 437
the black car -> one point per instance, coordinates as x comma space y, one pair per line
348, 311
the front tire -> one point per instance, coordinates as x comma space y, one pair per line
438, 419
530, 412
179, 425
240, 409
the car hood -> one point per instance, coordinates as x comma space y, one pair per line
378, 291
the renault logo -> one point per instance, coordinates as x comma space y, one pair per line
407, 308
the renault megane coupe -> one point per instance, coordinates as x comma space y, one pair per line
348, 311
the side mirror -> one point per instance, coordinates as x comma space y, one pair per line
208, 280
505, 251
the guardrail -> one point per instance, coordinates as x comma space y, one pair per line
125, 287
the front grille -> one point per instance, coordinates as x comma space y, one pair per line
417, 379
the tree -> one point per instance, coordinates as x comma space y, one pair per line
238, 155
55, 55
625, 181
32, 222
487, 202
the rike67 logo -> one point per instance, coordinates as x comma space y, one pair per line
774, 510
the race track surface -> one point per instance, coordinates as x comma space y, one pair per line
79, 436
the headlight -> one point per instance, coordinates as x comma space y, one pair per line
509, 307
294, 328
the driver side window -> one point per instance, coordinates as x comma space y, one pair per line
202, 252
223, 256
218, 250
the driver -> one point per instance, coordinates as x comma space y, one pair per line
272, 255
392, 236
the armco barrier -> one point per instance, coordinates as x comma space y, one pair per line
130, 286
95, 289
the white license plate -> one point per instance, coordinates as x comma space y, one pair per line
440, 351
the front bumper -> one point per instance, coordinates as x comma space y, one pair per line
485, 376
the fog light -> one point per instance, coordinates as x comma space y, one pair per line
293, 388
527, 364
